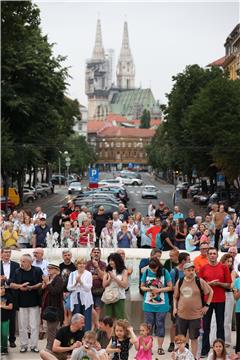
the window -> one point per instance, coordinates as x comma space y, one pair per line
129, 144
118, 156
123, 144
112, 144
118, 144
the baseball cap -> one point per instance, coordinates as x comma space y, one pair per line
188, 265
43, 217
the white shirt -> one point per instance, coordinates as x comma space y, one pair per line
117, 226
83, 289
38, 216
6, 269
42, 265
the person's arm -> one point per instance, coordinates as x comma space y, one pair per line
112, 350
6, 307
207, 291
169, 242
56, 287
133, 337
34, 240
147, 346
175, 298
61, 349
121, 282
72, 281
106, 279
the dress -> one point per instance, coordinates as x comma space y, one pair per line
125, 346
144, 354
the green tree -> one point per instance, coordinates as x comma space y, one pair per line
33, 84
81, 153
145, 119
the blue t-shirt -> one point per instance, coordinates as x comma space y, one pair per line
160, 302
177, 216
188, 246
237, 287
176, 274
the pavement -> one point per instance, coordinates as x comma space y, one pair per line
14, 354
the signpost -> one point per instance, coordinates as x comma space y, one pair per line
93, 178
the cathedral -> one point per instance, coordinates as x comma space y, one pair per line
122, 98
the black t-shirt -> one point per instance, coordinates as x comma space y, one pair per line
6, 300
190, 222
165, 235
34, 276
68, 338
65, 272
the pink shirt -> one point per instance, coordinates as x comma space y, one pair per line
144, 354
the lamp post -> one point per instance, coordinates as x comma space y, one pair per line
59, 166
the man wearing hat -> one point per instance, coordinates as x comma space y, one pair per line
40, 233
52, 302
189, 305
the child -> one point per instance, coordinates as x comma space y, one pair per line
181, 352
219, 351
144, 344
6, 305
88, 349
121, 341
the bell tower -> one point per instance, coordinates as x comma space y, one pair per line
125, 66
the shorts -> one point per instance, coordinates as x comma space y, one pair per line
184, 325
97, 302
66, 302
156, 319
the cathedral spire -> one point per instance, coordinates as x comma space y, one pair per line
98, 51
125, 67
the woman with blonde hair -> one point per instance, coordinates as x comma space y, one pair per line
80, 285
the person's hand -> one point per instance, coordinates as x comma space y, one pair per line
45, 278
117, 350
155, 291
204, 310
130, 328
95, 263
77, 344
173, 355
174, 312
112, 275
213, 282
78, 278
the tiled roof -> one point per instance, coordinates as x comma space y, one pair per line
218, 62
94, 126
114, 131
116, 117
154, 122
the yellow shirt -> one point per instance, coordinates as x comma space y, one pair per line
10, 238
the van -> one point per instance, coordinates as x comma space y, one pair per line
12, 195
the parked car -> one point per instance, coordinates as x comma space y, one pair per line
228, 198
75, 187
182, 186
120, 192
130, 174
58, 179
126, 180
149, 191
108, 207
28, 195
111, 182
6, 205
201, 199
41, 191
47, 187
195, 189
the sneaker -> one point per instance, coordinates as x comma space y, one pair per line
171, 347
4, 352
12, 344
35, 349
23, 349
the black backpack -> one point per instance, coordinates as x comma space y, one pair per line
198, 283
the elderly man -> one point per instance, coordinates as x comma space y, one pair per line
8, 268
39, 261
67, 339
28, 280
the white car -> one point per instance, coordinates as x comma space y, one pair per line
129, 180
75, 187
116, 181
149, 191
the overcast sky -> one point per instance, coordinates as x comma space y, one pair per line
164, 36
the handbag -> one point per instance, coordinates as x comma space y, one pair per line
50, 313
110, 295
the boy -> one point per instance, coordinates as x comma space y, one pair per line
6, 305
88, 350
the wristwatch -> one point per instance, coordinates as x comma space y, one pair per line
207, 304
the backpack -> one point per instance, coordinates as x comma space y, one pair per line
198, 283
159, 244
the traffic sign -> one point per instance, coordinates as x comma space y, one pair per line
68, 163
93, 175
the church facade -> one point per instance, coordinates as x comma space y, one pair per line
122, 98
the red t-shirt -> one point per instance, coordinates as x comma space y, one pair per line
74, 215
154, 230
84, 238
218, 272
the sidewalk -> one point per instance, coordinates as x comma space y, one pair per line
15, 354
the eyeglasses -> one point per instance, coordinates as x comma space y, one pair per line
179, 342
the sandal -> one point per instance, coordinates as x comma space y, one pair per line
161, 351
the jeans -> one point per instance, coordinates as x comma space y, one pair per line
219, 309
87, 313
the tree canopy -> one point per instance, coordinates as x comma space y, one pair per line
202, 125
37, 117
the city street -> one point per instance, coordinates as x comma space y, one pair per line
51, 204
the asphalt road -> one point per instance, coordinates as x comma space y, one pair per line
52, 203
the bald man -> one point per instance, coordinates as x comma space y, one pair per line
27, 280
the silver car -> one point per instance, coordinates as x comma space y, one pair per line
75, 187
149, 191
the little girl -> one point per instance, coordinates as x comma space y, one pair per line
219, 351
121, 341
144, 344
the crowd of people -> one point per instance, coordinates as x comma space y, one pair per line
79, 305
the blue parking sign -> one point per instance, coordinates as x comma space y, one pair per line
93, 175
